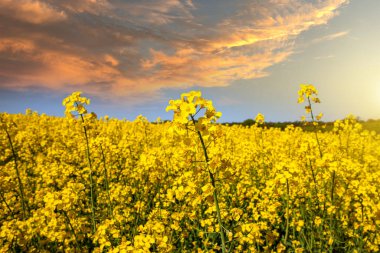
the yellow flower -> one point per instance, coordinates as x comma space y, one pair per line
154, 192
307, 90
317, 220
300, 225
75, 103
259, 118
186, 109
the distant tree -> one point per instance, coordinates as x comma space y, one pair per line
248, 122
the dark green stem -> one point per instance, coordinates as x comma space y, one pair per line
91, 179
20, 185
332, 187
107, 183
71, 228
287, 211
315, 129
6, 204
215, 194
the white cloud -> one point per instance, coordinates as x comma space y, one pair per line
332, 36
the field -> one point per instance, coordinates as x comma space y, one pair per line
80, 184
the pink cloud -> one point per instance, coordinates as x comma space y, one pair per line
139, 47
32, 11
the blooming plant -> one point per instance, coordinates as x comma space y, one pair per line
83, 184
185, 111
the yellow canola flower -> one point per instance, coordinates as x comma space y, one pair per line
191, 96
317, 220
152, 191
260, 118
307, 90
187, 108
75, 103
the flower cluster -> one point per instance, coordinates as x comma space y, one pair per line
75, 105
151, 193
187, 108
309, 92
259, 118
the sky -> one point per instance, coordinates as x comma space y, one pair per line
131, 57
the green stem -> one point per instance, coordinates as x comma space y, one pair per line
313, 175
20, 185
71, 228
332, 187
315, 129
6, 204
361, 227
287, 211
215, 194
91, 179
107, 183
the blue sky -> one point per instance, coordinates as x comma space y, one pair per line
247, 56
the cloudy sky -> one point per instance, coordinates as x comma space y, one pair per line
131, 56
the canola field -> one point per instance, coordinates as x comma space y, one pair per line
82, 184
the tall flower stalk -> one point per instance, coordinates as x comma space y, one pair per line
309, 92
185, 111
20, 184
75, 106
106, 179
